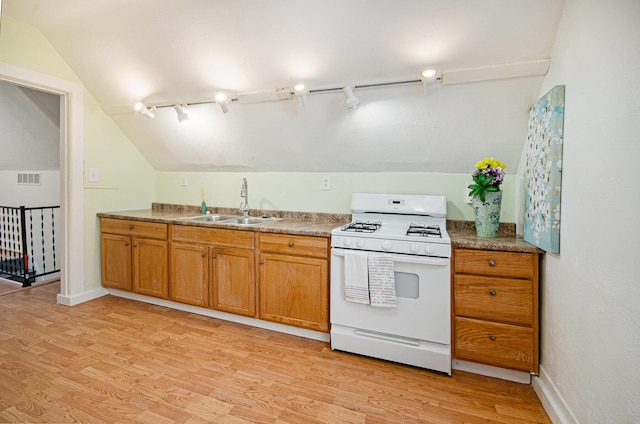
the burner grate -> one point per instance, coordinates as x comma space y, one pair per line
417, 230
362, 227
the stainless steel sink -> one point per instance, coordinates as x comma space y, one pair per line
247, 221
229, 219
209, 218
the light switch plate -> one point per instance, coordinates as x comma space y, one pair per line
93, 175
183, 181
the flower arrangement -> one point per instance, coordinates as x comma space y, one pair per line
487, 177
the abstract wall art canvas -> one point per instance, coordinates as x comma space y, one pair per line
543, 174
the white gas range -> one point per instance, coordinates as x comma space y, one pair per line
407, 235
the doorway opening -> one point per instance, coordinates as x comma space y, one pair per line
71, 196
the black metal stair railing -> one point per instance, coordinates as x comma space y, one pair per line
28, 242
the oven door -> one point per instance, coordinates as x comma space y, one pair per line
423, 292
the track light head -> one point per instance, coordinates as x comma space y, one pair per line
143, 110
301, 91
351, 101
223, 102
183, 118
428, 76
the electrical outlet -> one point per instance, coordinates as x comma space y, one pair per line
468, 198
326, 183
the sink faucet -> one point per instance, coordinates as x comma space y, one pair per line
244, 192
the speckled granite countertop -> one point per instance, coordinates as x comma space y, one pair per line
297, 223
462, 233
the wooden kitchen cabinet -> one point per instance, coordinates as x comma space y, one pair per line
116, 261
294, 280
134, 256
495, 303
233, 281
189, 280
214, 268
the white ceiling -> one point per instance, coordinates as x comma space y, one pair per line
164, 52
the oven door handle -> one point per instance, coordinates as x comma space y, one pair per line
407, 259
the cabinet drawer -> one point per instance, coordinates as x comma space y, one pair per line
134, 228
500, 299
500, 345
217, 236
294, 245
489, 262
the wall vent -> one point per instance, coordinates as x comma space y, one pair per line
29, 178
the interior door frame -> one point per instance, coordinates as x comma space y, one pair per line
71, 173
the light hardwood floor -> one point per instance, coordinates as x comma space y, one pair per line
116, 360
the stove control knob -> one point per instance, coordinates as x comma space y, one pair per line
360, 243
413, 247
429, 249
386, 245
346, 241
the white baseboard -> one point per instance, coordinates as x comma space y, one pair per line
81, 297
557, 409
489, 371
254, 322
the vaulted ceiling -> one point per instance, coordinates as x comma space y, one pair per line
163, 52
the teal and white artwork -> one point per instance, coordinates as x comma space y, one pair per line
543, 174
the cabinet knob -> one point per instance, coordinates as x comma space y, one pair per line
213, 256
204, 255
135, 244
492, 262
492, 337
290, 244
131, 227
126, 243
492, 292
261, 262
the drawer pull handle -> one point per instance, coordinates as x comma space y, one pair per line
492, 337
131, 227
492, 262
261, 262
290, 244
492, 292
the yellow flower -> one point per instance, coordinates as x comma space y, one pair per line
490, 163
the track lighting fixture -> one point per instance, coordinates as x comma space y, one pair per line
223, 102
183, 118
143, 110
351, 101
301, 91
428, 76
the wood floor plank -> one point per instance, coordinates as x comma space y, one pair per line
117, 360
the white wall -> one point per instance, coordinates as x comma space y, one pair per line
30, 138
45, 194
590, 324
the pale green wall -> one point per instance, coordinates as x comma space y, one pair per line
301, 191
127, 181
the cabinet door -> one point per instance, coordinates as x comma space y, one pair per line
116, 261
294, 290
233, 281
150, 267
189, 282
